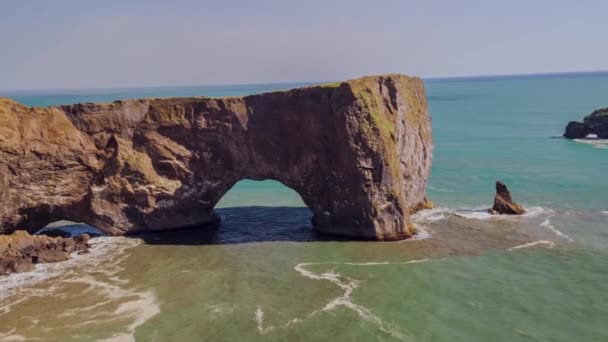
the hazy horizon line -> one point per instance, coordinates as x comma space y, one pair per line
458, 77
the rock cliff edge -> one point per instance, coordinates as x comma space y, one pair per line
357, 152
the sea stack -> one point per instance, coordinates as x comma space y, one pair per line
503, 203
594, 125
357, 152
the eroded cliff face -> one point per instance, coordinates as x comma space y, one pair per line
357, 152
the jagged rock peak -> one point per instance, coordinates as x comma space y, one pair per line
503, 203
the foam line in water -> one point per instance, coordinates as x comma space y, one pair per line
547, 243
348, 285
10, 336
597, 143
422, 233
430, 215
101, 251
475, 213
259, 318
547, 224
481, 213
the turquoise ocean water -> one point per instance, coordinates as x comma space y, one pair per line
264, 275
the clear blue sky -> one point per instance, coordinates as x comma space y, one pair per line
107, 43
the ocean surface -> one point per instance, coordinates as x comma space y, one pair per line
265, 275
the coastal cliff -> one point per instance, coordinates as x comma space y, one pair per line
357, 152
595, 123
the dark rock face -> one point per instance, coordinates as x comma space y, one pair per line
20, 251
594, 123
576, 130
503, 203
357, 152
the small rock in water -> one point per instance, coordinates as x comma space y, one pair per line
503, 204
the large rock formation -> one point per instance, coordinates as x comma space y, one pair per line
20, 250
357, 152
594, 123
503, 203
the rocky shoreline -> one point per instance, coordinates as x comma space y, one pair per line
20, 251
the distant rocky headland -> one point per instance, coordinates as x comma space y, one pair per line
594, 125
357, 152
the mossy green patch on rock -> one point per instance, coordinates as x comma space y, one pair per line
331, 85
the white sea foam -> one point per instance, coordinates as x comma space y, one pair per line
482, 213
421, 218
259, 318
98, 270
141, 309
219, 310
475, 213
605, 212
597, 143
547, 224
383, 263
431, 215
12, 337
479, 213
102, 249
422, 233
348, 285
537, 211
547, 243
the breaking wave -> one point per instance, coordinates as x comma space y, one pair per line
96, 273
597, 143
477, 213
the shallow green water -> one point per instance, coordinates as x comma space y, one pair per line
264, 275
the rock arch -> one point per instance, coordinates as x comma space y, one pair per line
357, 152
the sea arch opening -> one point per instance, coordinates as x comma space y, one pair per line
58, 222
265, 193
263, 210
64, 228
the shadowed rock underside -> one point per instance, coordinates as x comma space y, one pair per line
357, 152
